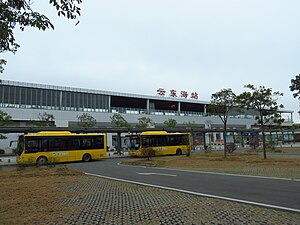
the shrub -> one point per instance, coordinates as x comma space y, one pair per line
148, 152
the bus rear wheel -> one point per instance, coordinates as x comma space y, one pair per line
86, 158
178, 151
42, 160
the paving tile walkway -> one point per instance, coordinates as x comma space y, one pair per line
102, 201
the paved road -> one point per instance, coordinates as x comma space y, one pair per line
277, 192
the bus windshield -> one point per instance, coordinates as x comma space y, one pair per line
20, 145
134, 142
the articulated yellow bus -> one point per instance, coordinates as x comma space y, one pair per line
161, 143
56, 146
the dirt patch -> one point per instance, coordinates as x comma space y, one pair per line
31, 196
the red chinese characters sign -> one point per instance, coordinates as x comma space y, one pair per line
194, 95
184, 94
161, 91
173, 93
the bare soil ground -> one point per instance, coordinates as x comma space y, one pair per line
238, 163
31, 196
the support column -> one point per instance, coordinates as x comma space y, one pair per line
119, 143
242, 139
204, 140
109, 103
60, 100
148, 107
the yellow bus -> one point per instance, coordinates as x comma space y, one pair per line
160, 143
60, 146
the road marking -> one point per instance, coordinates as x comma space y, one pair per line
161, 174
229, 174
121, 164
198, 194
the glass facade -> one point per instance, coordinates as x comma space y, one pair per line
38, 96
12, 96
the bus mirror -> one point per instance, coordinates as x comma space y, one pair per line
11, 143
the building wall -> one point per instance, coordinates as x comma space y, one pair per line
62, 118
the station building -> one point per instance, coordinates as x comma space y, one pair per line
25, 102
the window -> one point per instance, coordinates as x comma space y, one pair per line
92, 142
86, 143
145, 142
57, 144
32, 146
44, 145
98, 142
73, 143
171, 140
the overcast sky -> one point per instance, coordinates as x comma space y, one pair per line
138, 46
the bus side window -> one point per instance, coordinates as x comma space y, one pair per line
73, 143
145, 142
52, 145
185, 140
44, 147
32, 146
97, 142
178, 140
163, 141
171, 140
155, 141
86, 143
57, 144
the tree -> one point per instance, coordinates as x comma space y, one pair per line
145, 122
86, 120
171, 123
295, 87
20, 14
147, 152
222, 103
119, 121
46, 119
264, 101
5, 119
190, 125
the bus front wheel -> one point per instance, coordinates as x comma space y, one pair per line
42, 160
178, 151
86, 158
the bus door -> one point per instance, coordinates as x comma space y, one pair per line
134, 142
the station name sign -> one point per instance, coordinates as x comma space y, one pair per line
173, 93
